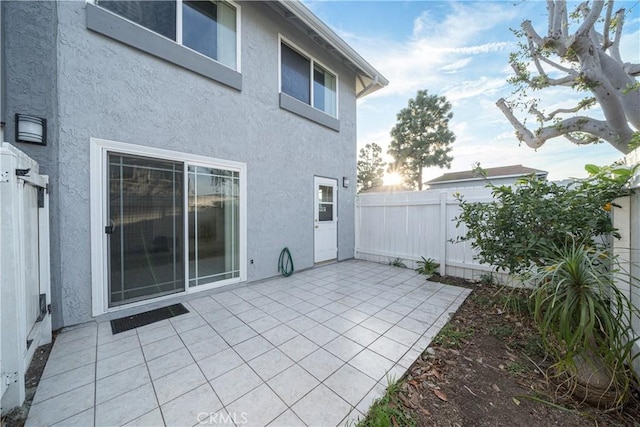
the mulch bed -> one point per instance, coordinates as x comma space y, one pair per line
486, 368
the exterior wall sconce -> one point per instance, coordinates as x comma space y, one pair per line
345, 182
31, 129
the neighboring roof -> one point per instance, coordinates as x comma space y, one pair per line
513, 171
396, 188
368, 79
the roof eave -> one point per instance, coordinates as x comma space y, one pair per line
481, 178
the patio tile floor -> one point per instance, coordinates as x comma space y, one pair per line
313, 349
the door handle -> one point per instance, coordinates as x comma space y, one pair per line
109, 229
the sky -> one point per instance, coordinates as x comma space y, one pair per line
460, 49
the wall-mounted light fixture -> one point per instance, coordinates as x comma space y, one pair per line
345, 182
31, 129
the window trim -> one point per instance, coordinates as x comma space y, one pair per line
99, 149
287, 104
114, 26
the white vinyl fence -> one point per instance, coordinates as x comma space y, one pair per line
626, 218
25, 321
416, 224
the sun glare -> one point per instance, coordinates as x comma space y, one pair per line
393, 178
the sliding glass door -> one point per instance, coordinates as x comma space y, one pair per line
146, 228
149, 210
213, 225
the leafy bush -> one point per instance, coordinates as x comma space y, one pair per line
509, 232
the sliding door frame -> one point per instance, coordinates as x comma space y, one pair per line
99, 149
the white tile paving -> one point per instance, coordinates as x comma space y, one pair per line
312, 349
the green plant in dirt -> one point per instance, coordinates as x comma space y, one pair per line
509, 232
487, 279
515, 301
427, 267
501, 331
533, 346
515, 368
386, 411
451, 336
585, 322
398, 262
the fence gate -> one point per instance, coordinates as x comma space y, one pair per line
25, 321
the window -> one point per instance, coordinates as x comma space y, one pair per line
304, 79
208, 27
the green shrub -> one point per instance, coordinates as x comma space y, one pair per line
508, 232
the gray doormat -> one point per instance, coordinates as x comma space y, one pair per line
146, 318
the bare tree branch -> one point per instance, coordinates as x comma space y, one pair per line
535, 55
591, 18
631, 69
551, 116
594, 65
577, 141
615, 47
597, 128
558, 66
531, 33
564, 18
607, 23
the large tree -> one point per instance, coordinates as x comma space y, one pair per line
421, 137
370, 167
580, 50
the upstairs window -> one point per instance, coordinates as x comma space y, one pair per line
306, 80
208, 27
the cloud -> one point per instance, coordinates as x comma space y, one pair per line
483, 48
473, 88
456, 65
439, 47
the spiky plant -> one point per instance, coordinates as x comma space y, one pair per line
585, 322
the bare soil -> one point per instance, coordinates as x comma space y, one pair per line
487, 368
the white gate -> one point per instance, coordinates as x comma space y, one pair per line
25, 320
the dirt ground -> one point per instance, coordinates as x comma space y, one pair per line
18, 416
486, 369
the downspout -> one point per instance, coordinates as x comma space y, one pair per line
368, 87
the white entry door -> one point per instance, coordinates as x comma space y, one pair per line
326, 219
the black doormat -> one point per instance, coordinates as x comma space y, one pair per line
146, 318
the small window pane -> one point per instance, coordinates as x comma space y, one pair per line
199, 27
295, 74
210, 28
324, 90
325, 211
158, 16
325, 193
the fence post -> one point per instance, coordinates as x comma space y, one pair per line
622, 247
443, 233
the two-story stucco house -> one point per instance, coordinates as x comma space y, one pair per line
187, 143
